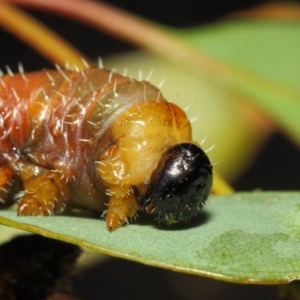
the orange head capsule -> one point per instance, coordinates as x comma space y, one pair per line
179, 185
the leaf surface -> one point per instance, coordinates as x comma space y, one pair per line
245, 238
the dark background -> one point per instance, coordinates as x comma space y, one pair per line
277, 167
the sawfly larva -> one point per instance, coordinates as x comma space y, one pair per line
94, 138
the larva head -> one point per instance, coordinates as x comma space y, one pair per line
179, 185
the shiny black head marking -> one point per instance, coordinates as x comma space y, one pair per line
179, 185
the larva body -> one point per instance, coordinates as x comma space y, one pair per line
93, 138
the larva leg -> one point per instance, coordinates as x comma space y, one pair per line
6, 182
45, 192
122, 205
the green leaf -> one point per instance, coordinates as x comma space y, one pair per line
263, 64
245, 238
266, 47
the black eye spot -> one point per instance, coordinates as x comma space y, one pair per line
180, 184
199, 186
